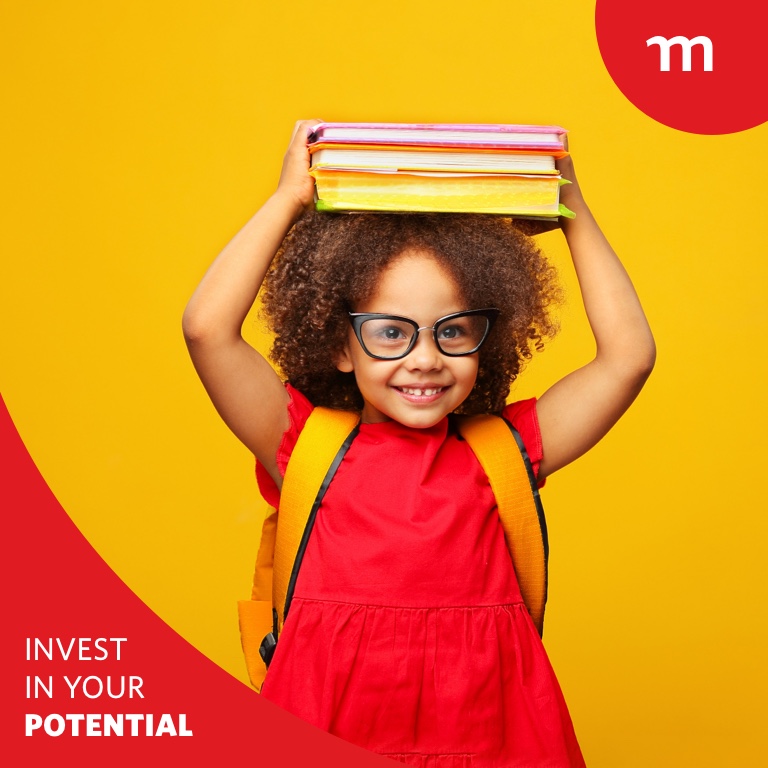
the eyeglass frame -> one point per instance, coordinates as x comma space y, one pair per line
357, 319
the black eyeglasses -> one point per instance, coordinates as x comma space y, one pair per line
390, 337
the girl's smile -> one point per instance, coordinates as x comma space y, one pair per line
423, 394
420, 389
418, 392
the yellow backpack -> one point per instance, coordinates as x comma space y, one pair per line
321, 446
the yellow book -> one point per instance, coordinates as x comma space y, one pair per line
510, 194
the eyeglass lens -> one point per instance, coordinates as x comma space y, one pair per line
387, 337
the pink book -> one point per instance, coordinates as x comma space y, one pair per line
462, 135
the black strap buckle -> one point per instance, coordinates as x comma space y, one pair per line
268, 644
267, 648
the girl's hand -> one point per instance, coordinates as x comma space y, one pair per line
295, 182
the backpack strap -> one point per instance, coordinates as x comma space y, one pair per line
321, 446
502, 455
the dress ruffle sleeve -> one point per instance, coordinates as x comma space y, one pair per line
522, 415
299, 409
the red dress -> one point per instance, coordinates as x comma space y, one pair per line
407, 634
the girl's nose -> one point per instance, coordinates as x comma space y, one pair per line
425, 356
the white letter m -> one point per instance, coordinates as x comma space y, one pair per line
686, 45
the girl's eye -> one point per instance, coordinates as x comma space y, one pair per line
381, 335
390, 333
451, 332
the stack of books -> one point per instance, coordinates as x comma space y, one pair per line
464, 168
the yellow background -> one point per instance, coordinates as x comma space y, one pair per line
140, 135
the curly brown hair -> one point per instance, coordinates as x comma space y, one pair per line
329, 263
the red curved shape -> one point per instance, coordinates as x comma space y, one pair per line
57, 586
693, 66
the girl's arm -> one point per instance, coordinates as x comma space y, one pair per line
579, 410
244, 388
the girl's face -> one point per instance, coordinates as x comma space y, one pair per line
424, 386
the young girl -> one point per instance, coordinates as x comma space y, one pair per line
407, 633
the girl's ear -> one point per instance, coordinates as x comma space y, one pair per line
343, 360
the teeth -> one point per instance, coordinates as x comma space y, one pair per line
420, 392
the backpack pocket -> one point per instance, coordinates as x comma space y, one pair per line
255, 624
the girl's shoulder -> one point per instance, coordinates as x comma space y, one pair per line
521, 414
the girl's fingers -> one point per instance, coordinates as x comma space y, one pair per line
294, 176
304, 127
